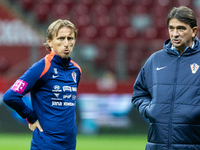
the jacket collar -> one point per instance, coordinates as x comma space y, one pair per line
176, 51
62, 62
167, 46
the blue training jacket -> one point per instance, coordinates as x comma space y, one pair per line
52, 83
167, 92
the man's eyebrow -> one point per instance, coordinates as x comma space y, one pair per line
60, 36
176, 26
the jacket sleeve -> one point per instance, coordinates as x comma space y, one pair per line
13, 96
141, 98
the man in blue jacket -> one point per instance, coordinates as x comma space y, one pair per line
167, 89
52, 83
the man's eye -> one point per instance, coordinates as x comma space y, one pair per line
181, 28
61, 38
70, 38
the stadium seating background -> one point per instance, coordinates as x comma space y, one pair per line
136, 27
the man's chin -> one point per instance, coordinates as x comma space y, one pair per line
176, 45
64, 56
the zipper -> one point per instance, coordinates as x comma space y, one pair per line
65, 72
172, 103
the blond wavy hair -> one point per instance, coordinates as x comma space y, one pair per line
54, 28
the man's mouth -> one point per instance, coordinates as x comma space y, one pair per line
176, 41
66, 51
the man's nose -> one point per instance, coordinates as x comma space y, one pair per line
175, 33
66, 43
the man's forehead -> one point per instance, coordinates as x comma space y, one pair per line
176, 22
64, 30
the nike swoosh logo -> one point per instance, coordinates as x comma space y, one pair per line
160, 68
55, 76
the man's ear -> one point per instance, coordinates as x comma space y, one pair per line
49, 42
194, 30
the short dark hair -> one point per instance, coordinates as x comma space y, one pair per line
183, 14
